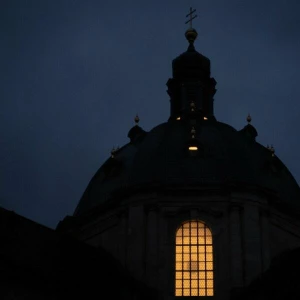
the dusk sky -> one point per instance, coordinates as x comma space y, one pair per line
75, 73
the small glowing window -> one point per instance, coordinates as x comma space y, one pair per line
193, 148
194, 274
205, 118
178, 118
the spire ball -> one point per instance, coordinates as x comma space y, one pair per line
191, 35
136, 119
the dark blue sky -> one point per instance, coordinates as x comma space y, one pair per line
75, 73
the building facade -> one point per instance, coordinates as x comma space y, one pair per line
193, 207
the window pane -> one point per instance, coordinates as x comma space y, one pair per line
186, 231
186, 275
194, 232
194, 240
209, 275
178, 292
202, 293
209, 266
194, 249
209, 257
202, 284
208, 232
178, 275
186, 240
202, 275
186, 249
186, 257
194, 292
201, 231
209, 284
209, 249
178, 257
179, 240
178, 283
201, 249
186, 283
201, 256
178, 266
186, 292
194, 283
210, 292
179, 232
201, 265
208, 240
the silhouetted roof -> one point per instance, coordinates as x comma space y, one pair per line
161, 159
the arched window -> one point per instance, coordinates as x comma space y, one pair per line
194, 274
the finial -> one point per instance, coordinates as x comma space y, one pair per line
136, 119
249, 118
112, 152
193, 132
191, 34
268, 147
272, 150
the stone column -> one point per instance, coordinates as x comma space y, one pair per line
136, 241
265, 240
152, 247
236, 253
252, 242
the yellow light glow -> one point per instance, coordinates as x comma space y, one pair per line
193, 148
178, 118
194, 260
205, 118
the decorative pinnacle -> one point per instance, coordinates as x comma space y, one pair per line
272, 150
136, 119
249, 118
191, 34
112, 152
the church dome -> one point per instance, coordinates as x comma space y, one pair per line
192, 151
161, 160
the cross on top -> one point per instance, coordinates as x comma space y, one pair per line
191, 17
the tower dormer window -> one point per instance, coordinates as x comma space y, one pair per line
194, 274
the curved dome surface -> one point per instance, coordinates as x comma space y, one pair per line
161, 158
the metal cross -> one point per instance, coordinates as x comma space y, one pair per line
191, 17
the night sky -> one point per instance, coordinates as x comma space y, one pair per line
75, 73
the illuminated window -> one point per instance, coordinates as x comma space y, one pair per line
194, 274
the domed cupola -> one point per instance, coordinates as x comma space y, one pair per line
191, 64
191, 82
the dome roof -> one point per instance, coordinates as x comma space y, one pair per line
161, 159
191, 64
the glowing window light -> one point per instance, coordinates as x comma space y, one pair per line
178, 118
193, 148
194, 275
205, 118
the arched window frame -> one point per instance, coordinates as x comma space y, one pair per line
194, 266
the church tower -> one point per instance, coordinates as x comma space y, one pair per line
193, 207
